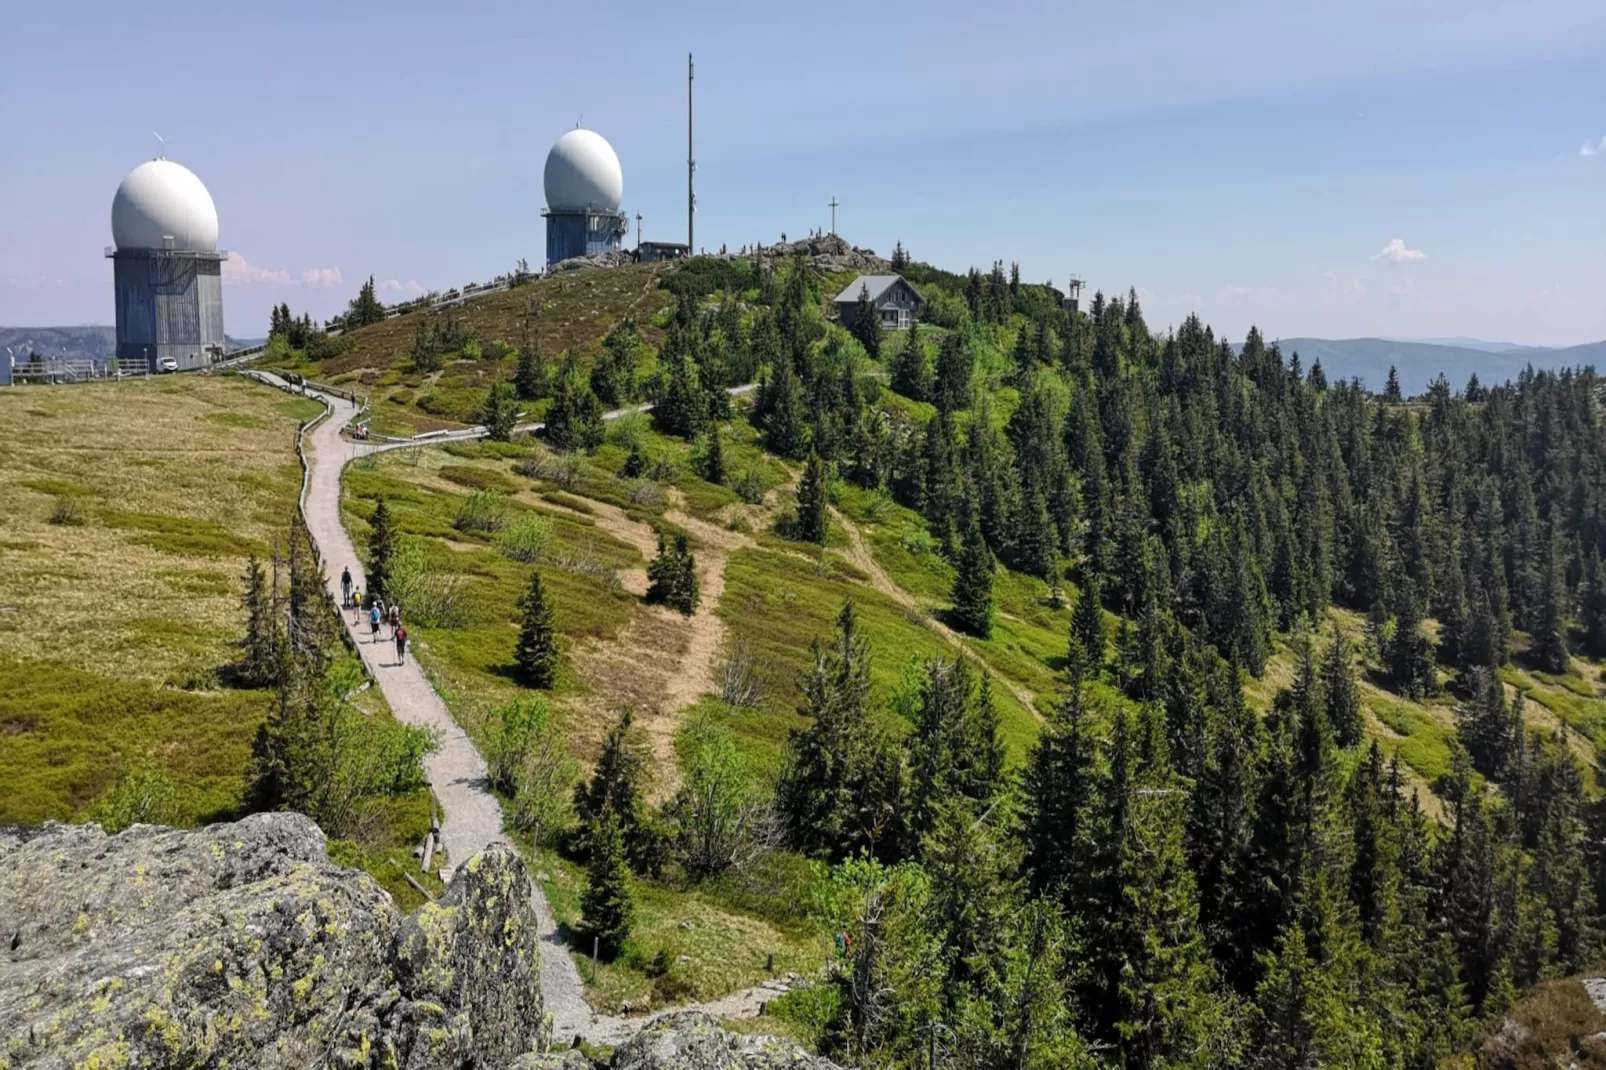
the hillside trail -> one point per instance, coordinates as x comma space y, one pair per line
860, 557
472, 815
663, 662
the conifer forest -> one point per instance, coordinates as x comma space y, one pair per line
1171, 878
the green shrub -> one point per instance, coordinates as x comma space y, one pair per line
428, 595
528, 761
482, 511
143, 795
477, 478
526, 539
750, 486
569, 501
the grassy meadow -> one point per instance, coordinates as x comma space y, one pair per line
567, 315
128, 512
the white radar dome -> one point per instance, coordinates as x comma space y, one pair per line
162, 200
583, 174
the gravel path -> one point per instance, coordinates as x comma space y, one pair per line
456, 772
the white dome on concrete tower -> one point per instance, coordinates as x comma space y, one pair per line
583, 173
162, 200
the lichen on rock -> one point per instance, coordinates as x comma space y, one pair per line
241, 944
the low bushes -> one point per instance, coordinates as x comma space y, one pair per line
526, 539
482, 511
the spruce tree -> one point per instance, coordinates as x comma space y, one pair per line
955, 364
973, 585
1087, 625
1058, 790
867, 324
259, 661
1550, 623
1409, 653
1391, 391
635, 465
365, 308
537, 652
1149, 983
618, 786
499, 414
711, 463
606, 906
1594, 605
574, 419
672, 575
613, 377
1485, 725
785, 424
1343, 694
841, 783
382, 545
683, 408
529, 379
311, 622
911, 368
811, 498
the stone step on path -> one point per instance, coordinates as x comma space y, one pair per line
457, 774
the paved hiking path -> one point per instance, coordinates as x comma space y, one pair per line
456, 772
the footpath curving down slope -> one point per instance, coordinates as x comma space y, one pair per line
457, 774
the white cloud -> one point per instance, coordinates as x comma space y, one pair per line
396, 286
328, 277
1397, 252
238, 271
1593, 148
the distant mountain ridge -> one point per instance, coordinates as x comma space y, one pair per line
1471, 343
1418, 363
91, 341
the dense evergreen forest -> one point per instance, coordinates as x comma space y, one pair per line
1173, 879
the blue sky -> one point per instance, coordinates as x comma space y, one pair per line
1249, 161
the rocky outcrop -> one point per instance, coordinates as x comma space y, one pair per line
616, 258
829, 253
240, 944
692, 1040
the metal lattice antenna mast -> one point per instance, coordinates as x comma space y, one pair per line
833, 206
638, 230
691, 170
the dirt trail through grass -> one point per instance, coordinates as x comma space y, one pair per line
662, 662
860, 557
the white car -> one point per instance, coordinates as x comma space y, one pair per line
167, 364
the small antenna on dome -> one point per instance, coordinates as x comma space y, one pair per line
162, 146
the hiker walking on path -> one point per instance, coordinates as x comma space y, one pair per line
345, 585
373, 621
395, 617
401, 644
356, 608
